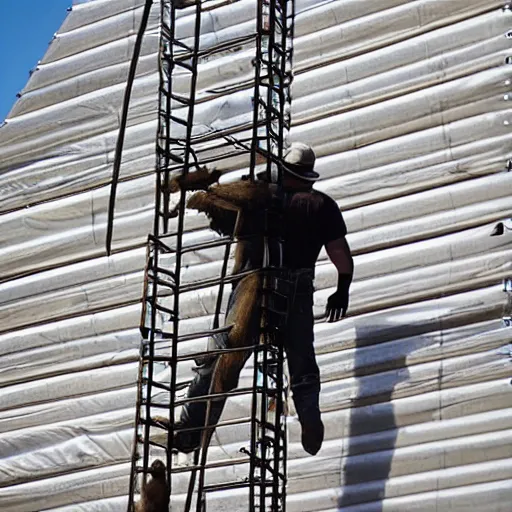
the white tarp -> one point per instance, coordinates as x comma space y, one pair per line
407, 106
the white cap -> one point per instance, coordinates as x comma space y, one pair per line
301, 158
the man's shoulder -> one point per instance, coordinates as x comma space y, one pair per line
325, 198
321, 194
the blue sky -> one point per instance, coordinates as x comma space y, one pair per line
26, 28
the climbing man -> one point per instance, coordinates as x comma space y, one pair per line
310, 220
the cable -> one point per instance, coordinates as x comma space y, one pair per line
122, 126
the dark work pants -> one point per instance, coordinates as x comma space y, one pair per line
304, 373
298, 343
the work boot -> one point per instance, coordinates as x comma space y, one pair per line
188, 441
306, 394
312, 430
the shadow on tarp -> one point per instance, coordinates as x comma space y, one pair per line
368, 457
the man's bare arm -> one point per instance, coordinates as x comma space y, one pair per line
339, 253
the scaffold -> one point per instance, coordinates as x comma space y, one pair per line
181, 150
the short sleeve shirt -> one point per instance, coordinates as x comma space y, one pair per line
311, 220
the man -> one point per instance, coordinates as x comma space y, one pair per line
311, 220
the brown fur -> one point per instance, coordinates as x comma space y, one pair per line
243, 316
232, 208
222, 202
222, 214
161, 419
197, 180
155, 494
246, 195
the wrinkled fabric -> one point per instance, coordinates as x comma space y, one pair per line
407, 107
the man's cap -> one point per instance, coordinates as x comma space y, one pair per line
299, 160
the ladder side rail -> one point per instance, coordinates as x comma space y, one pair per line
166, 68
182, 205
144, 331
277, 79
168, 40
253, 163
138, 404
270, 146
287, 24
257, 79
150, 348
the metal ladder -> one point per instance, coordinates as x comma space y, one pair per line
160, 321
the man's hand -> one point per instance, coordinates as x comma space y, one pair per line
339, 253
337, 305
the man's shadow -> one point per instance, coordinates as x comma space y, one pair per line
380, 361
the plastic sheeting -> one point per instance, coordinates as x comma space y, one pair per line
406, 104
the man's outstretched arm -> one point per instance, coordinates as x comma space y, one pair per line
339, 253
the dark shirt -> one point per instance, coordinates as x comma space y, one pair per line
311, 220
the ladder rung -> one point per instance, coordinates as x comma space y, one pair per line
233, 485
163, 308
177, 142
180, 61
227, 394
158, 243
157, 359
271, 427
263, 464
161, 282
165, 387
271, 441
224, 423
267, 467
140, 469
172, 156
216, 281
157, 445
228, 45
203, 334
207, 245
166, 215
166, 30
151, 423
178, 43
210, 465
165, 271
181, 121
145, 332
225, 487
218, 352
180, 99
